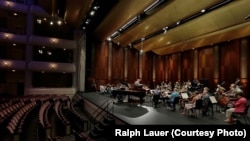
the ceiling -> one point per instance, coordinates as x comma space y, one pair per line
223, 22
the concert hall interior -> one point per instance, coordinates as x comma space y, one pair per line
74, 69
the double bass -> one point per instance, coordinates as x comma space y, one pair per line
222, 99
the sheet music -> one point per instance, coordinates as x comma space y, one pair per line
184, 95
212, 99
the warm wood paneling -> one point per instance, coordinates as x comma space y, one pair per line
187, 65
159, 69
229, 62
117, 63
206, 65
173, 67
133, 65
100, 65
147, 68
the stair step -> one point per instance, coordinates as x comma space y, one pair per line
104, 124
109, 119
94, 135
99, 128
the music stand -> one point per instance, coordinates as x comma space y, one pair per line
184, 95
213, 101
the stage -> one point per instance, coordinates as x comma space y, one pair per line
146, 114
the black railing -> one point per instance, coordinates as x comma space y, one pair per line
107, 107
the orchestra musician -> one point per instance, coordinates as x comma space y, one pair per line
171, 99
191, 103
221, 98
138, 84
238, 106
156, 95
226, 98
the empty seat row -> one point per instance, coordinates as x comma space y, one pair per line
5, 105
16, 121
5, 113
75, 113
58, 109
43, 114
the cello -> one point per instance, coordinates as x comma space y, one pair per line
222, 99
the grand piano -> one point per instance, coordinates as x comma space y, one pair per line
120, 93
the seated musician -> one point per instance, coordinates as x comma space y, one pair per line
231, 92
238, 106
171, 98
138, 84
219, 90
156, 95
206, 100
191, 104
224, 98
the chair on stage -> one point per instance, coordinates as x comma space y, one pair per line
198, 106
239, 115
172, 105
176, 101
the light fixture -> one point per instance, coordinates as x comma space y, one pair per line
51, 23
8, 3
114, 34
7, 36
39, 21
141, 51
53, 66
109, 39
130, 45
53, 40
165, 29
49, 52
59, 22
40, 51
6, 63
153, 6
203, 10
247, 17
130, 23
118, 38
96, 7
92, 13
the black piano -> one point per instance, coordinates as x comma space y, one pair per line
137, 93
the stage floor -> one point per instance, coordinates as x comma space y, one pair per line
146, 114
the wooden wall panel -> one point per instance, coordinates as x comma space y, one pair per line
159, 69
247, 87
187, 66
147, 68
133, 65
229, 62
117, 63
206, 65
173, 67
100, 65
